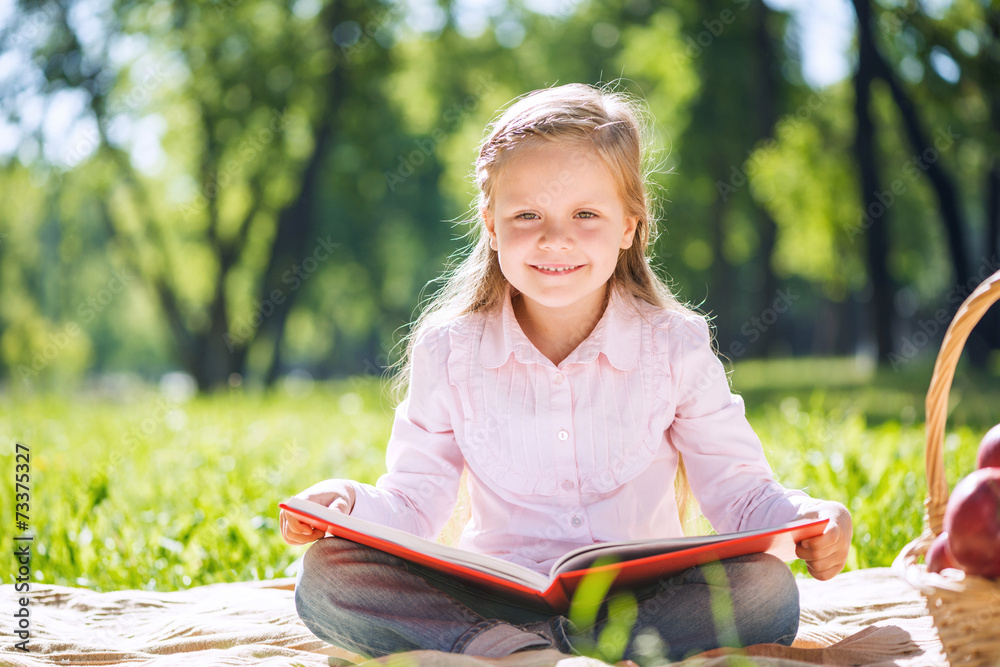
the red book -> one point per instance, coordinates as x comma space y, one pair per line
637, 562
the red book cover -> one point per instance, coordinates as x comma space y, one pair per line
639, 562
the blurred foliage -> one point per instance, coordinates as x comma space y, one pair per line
240, 189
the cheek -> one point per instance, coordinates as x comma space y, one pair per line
603, 241
513, 240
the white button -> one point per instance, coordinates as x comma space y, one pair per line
563, 434
568, 484
576, 521
558, 378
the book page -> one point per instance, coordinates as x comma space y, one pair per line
583, 557
481, 562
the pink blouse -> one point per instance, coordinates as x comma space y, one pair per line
568, 455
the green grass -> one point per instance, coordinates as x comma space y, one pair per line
149, 494
140, 492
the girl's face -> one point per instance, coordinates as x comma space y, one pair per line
557, 224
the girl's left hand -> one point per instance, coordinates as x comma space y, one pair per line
826, 554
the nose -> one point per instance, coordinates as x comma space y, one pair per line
556, 234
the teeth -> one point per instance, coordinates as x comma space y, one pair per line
564, 268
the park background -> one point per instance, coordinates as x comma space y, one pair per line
218, 218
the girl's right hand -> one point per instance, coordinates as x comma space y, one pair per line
337, 494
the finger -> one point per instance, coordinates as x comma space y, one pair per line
831, 534
300, 527
809, 549
298, 539
828, 566
825, 572
827, 551
806, 553
821, 542
312, 537
297, 532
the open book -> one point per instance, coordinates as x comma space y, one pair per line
637, 562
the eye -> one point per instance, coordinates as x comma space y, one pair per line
523, 216
589, 214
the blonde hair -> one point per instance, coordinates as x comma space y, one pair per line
615, 125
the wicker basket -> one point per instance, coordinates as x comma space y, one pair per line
965, 608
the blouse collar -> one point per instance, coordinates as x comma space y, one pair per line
616, 336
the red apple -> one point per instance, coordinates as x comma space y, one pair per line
939, 555
972, 521
989, 449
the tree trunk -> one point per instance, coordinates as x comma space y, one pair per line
291, 242
721, 273
929, 152
213, 362
990, 327
993, 211
293, 237
875, 214
767, 117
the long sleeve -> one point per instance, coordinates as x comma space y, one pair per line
726, 467
424, 464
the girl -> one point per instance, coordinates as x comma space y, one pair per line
562, 373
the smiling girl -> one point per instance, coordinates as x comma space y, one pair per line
560, 371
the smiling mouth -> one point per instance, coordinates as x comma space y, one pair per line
556, 270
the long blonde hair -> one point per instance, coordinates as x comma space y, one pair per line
616, 125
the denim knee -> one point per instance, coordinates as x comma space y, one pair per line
318, 593
307, 583
371, 603
764, 587
323, 564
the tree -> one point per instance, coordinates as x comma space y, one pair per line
875, 211
253, 93
928, 149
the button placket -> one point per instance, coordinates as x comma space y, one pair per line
568, 471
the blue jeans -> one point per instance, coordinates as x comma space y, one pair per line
373, 604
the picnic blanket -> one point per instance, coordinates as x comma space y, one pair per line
864, 617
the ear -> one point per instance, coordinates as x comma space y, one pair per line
488, 222
629, 234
